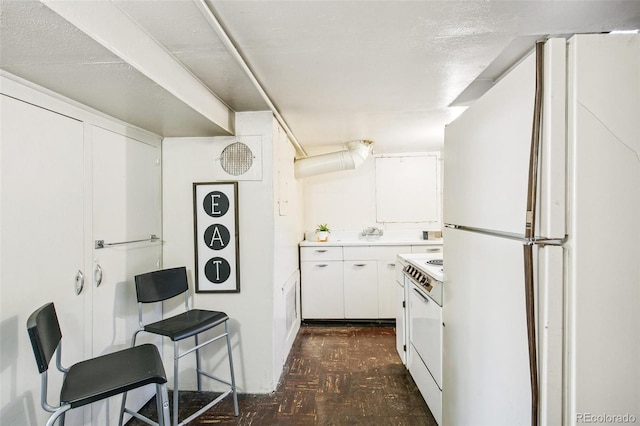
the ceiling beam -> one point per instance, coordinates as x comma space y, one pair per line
107, 24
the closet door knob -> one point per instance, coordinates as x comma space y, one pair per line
79, 282
97, 275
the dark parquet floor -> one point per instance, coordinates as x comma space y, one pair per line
335, 375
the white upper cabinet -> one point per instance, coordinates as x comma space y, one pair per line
408, 188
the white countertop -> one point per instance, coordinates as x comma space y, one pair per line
355, 238
378, 242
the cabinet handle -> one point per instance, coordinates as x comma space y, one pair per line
360, 264
322, 265
425, 298
433, 250
97, 275
79, 282
392, 265
321, 251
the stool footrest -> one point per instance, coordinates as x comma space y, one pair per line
205, 408
141, 417
217, 379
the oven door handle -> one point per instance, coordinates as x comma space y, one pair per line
425, 298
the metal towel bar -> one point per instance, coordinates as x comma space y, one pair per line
101, 244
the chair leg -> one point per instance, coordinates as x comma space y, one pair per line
198, 366
122, 408
162, 401
124, 395
175, 382
159, 406
58, 414
233, 378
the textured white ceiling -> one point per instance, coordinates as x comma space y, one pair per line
336, 70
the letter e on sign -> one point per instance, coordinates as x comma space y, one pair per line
216, 204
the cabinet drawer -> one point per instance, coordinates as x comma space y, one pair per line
374, 252
427, 249
320, 253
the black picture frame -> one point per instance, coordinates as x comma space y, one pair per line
216, 237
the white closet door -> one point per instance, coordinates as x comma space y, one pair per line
126, 207
41, 189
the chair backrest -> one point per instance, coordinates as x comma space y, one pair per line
45, 335
161, 285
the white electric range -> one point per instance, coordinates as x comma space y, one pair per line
420, 331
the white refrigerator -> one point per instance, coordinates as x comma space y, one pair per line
586, 281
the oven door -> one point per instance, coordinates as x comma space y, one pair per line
425, 331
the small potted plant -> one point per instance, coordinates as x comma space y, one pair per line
322, 233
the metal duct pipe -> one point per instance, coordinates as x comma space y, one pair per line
355, 154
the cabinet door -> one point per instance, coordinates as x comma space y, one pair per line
360, 289
322, 292
42, 221
126, 207
386, 289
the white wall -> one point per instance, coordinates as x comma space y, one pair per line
288, 233
346, 200
188, 160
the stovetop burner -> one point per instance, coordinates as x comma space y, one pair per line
434, 262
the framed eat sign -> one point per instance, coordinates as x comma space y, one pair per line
215, 210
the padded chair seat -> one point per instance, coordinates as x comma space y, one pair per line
187, 324
108, 375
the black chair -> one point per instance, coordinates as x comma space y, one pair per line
97, 378
164, 284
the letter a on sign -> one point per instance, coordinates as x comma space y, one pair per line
215, 236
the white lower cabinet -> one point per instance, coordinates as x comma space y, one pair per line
387, 288
360, 289
352, 282
322, 290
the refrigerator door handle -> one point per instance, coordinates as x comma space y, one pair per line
545, 241
530, 232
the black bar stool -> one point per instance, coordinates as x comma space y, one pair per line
96, 378
164, 284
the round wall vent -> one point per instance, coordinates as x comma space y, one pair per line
236, 159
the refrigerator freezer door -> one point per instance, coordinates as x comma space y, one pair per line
486, 154
485, 353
